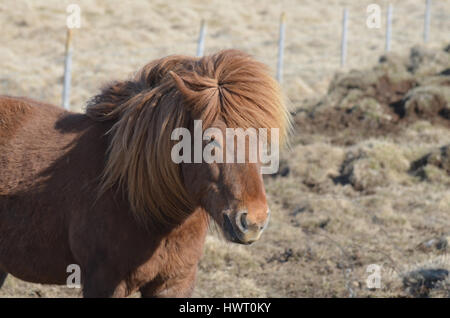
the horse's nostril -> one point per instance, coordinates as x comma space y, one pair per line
244, 220
241, 221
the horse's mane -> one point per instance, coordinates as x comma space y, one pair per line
170, 93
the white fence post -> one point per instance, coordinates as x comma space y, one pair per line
281, 47
67, 71
344, 37
389, 28
426, 26
201, 39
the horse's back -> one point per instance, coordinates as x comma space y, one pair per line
28, 139
49, 160
13, 112
16, 113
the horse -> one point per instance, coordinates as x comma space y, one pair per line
100, 190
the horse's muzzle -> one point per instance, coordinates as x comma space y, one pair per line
238, 229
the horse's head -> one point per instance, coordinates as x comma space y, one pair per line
232, 193
228, 89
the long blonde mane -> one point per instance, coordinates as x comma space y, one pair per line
169, 93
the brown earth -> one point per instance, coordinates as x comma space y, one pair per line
384, 99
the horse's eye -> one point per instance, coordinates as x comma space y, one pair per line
212, 141
215, 143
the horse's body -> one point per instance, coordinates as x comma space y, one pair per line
49, 176
55, 209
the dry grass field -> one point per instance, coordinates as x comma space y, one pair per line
366, 179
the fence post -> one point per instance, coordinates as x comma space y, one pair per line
426, 26
201, 39
388, 28
281, 48
67, 71
344, 37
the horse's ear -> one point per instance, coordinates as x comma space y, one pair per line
180, 84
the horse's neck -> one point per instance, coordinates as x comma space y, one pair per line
193, 229
196, 222
183, 246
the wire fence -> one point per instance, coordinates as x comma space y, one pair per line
293, 57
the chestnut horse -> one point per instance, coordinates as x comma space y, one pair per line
100, 189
